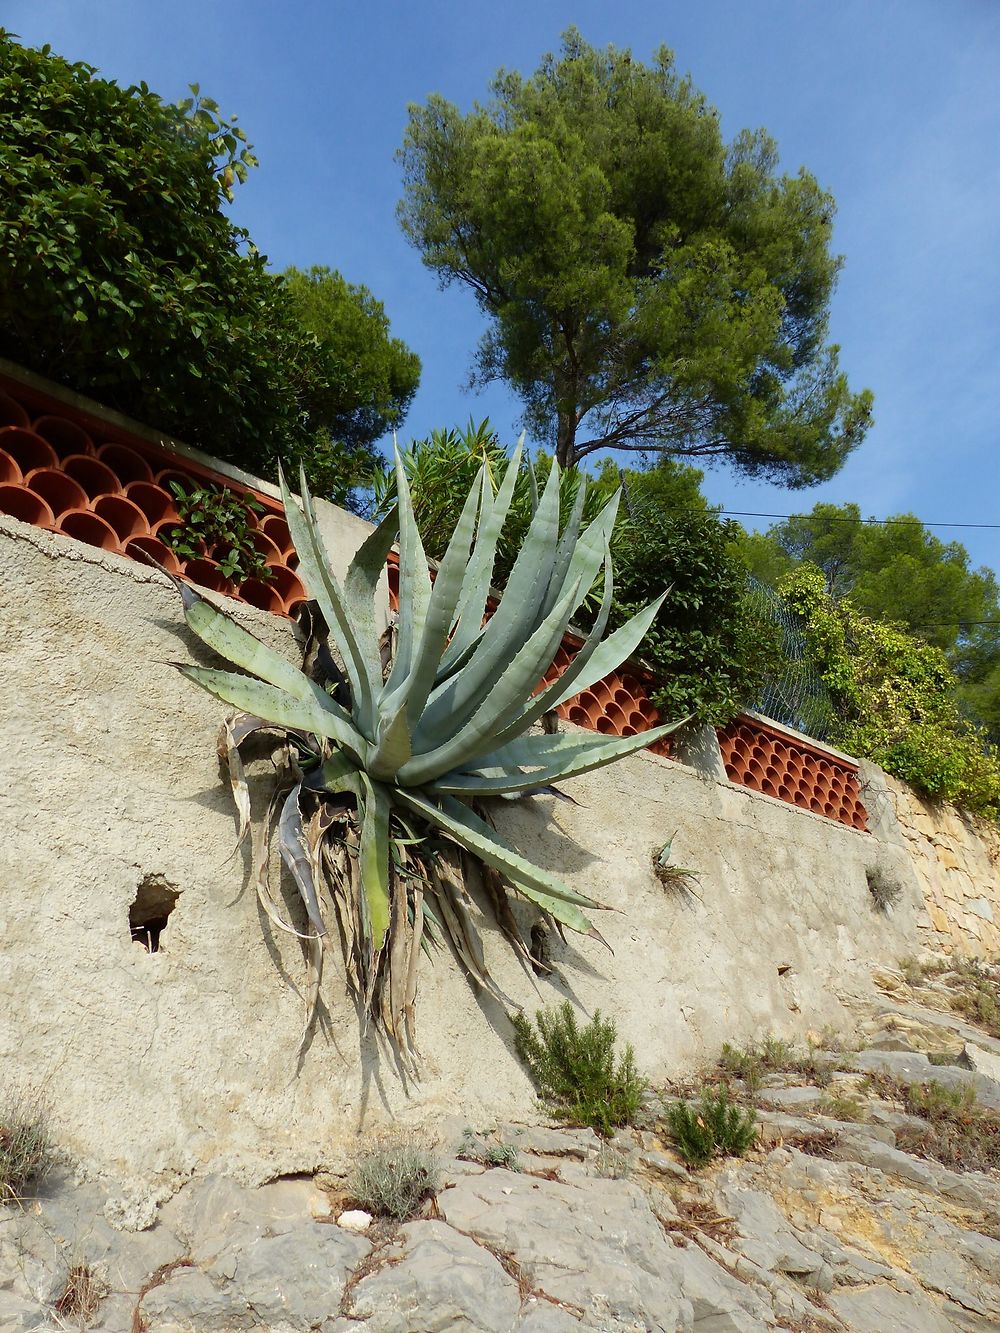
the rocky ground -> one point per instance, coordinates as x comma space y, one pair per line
857, 1210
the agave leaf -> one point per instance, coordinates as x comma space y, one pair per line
513, 622
532, 485
398, 928
412, 963
607, 656
495, 781
323, 588
414, 585
440, 612
261, 858
375, 859
504, 701
461, 928
566, 547
588, 553
394, 747
475, 834
234, 732
239, 646
360, 588
292, 844
274, 705
539, 704
479, 575
336, 774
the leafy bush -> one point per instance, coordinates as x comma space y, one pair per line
488, 1153
977, 998
26, 1149
711, 1127
575, 1070
125, 279
710, 650
612, 1163
771, 1055
960, 1134
895, 700
392, 1179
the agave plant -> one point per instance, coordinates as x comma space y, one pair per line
382, 811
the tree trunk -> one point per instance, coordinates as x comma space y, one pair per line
566, 439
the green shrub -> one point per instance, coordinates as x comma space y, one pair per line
895, 699
751, 1062
486, 1153
978, 994
26, 1150
711, 1127
392, 1179
575, 1070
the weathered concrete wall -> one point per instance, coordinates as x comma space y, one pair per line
161, 1064
956, 857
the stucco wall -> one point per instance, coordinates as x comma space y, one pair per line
161, 1064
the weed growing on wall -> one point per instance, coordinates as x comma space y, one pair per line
215, 518
26, 1148
885, 890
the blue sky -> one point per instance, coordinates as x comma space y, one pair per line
894, 106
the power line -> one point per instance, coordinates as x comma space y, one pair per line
836, 518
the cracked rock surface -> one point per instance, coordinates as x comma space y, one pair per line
827, 1226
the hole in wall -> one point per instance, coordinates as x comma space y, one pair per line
154, 900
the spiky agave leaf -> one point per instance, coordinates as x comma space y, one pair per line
380, 812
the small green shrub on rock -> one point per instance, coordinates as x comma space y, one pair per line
575, 1070
392, 1179
711, 1127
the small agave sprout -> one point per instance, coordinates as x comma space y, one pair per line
393, 754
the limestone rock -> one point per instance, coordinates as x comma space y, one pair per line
594, 1244
880, 1308
434, 1280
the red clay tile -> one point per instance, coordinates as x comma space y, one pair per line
126, 518
156, 503
10, 472
208, 574
11, 412
125, 463
59, 491
27, 449
140, 548
66, 437
260, 594
88, 527
95, 477
19, 502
